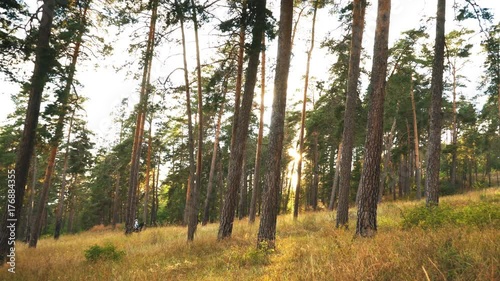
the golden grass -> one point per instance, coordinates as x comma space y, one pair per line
310, 248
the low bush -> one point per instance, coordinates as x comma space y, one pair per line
480, 214
108, 252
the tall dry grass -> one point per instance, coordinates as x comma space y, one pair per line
310, 248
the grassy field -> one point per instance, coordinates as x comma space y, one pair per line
310, 248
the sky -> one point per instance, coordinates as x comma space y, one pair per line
105, 87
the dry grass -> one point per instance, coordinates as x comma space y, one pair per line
307, 249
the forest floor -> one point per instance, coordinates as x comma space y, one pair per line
410, 245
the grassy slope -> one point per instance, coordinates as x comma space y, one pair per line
308, 249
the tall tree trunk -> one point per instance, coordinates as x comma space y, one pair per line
190, 143
454, 129
154, 208
336, 176
267, 228
213, 164
148, 172
387, 157
243, 190
239, 140
289, 189
139, 128
31, 200
367, 210
116, 199
72, 205
315, 181
195, 191
256, 179
303, 117
58, 134
19, 176
349, 114
418, 176
60, 203
434, 144
239, 71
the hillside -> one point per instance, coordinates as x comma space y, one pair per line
454, 248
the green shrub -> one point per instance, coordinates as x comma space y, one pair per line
108, 252
427, 217
481, 214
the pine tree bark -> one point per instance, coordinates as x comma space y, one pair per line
267, 229
239, 140
349, 114
434, 144
367, 210
139, 127
303, 117
60, 205
256, 179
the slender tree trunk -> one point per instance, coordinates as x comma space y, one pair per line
335, 179
256, 179
454, 130
434, 144
148, 172
72, 205
243, 190
290, 178
239, 140
156, 203
418, 176
267, 229
60, 205
116, 199
349, 114
367, 210
303, 117
139, 128
387, 157
239, 71
213, 164
190, 144
31, 200
195, 190
315, 181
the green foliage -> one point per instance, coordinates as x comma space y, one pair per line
481, 214
108, 252
453, 262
